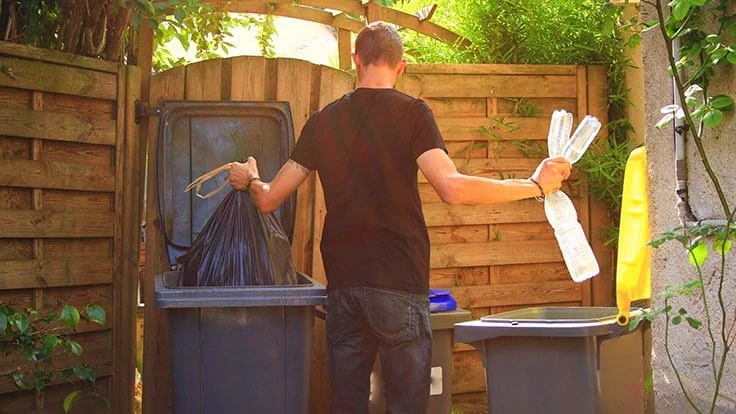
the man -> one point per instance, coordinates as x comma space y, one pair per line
367, 147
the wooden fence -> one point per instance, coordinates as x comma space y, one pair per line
494, 119
70, 192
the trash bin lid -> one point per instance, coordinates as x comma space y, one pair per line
633, 274
196, 137
543, 322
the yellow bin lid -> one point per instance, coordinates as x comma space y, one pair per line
633, 275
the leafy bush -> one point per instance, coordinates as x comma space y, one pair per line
40, 341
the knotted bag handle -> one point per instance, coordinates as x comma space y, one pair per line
197, 183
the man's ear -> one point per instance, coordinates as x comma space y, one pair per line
356, 60
400, 68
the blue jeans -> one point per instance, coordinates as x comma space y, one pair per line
363, 322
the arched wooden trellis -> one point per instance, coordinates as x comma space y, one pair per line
347, 16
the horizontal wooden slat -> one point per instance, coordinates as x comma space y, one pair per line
498, 128
459, 276
56, 126
44, 223
22, 274
493, 253
517, 294
68, 59
529, 272
57, 175
441, 214
47, 77
458, 234
458, 107
478, 85
490, 69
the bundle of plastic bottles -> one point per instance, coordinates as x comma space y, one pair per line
560, 211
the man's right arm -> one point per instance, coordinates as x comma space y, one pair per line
268, 196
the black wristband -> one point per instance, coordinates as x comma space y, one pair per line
247, 186
541, 190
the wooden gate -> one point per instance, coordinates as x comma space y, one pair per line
70, 202
494, 119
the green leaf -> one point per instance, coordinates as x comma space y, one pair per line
19, 380
694, 323
676, 320
105, 403
634, 323
70, 317
41, 379
71, 400
699, 112
84, 373
179, 14
50, 342
21, 324
713, 118
96, 314
697, 254
722, 246
665, 120
722, 102
682, 311
731, 57
680, 9
74, 347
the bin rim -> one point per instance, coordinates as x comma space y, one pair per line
170, 295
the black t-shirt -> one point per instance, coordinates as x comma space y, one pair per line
364, 146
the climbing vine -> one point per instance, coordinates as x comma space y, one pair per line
698, 38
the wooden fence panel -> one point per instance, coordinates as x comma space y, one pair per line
494, 258
70, 170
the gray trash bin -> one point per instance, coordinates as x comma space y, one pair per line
440, 391
244, 349
571, 360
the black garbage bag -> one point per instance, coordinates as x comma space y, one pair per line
239, 246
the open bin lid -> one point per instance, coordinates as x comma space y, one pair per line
196, 137
633, 267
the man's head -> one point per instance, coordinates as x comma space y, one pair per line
379, 44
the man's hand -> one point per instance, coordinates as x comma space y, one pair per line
242, 173
551, 172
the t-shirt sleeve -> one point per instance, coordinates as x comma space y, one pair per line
305, 148
426, 134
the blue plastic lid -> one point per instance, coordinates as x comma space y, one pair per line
441, 300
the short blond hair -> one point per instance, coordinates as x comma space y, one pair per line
379, 43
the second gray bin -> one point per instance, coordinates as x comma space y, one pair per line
553, 360
242, 349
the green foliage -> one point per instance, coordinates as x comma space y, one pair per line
42, 341
204, 29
